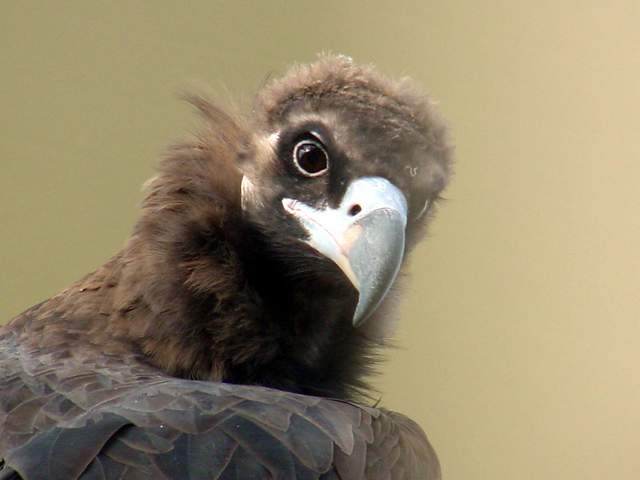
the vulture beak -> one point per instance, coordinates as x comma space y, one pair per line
364, 236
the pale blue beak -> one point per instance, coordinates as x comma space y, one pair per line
364, 236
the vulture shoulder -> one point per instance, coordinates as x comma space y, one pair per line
70, 412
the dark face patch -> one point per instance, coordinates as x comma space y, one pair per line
358, 145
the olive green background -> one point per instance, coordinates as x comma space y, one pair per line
520, 339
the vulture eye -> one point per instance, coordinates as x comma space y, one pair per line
310, 157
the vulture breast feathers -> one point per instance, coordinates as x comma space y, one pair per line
230, 338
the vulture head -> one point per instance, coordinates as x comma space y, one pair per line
269, 242
344, 163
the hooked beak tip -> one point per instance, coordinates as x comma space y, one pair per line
368, 247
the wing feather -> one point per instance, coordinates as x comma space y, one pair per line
73, 412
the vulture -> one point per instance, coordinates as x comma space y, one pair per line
233, 335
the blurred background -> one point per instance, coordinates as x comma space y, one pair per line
520, 338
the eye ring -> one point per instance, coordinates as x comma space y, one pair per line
310, 157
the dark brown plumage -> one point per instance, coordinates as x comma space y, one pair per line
217, 285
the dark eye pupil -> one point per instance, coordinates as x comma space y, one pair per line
311, 158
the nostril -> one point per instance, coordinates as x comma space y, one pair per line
354, 210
